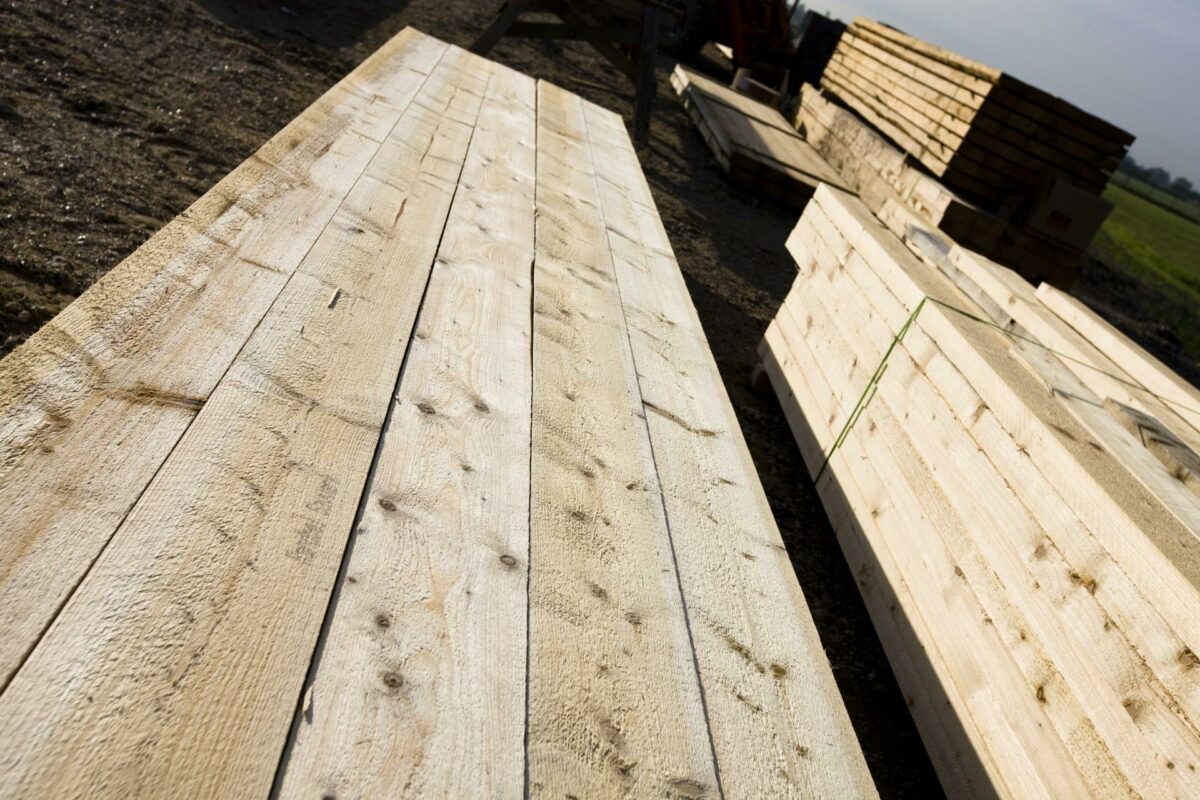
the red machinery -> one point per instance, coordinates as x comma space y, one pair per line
757, 30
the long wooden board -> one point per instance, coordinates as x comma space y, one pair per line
605, 607
93, 403
466, 510
750, 628
753, 143
213, 624
419, 685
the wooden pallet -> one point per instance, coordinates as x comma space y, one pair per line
1002, 489
399, 466
753, 143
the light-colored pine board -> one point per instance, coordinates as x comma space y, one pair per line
184, 650
884, 591
93, 403
697, 83
1090, 365
1040, 509
983, 498
967, 408
420, 685
1140, 365
777, 727
850, 339
614, 701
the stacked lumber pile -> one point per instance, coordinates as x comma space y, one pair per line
398, 466
981, 130
1018, 503
752, 142
882, 174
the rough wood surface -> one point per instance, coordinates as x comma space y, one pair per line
419, 689
196, 625
743, 132
448, 499
92, 404
1030, 569
749, 622
614, 701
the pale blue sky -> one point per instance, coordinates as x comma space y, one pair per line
1136, 64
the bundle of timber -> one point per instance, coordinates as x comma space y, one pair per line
1018, 503
982, 131
398, 466
883, 175
753, 143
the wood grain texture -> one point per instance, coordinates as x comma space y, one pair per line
1143, 367
420, 685
614, 700
1031, 578
92, 404
184, 649
777, 727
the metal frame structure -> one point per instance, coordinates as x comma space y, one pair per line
626, 32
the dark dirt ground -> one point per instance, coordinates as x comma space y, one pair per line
116, 115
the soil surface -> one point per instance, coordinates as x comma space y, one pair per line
116, 115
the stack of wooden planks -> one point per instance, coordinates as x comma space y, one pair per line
752, 142
884, 176
981, 130
1014, 497
398, 466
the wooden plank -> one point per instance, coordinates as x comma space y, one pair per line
1179, 459
968, 139
1004, 103
928, 546
884, 591
419, 689
698, 83
785, 165
976, 72
838, 315
983, 496
94, 402
1169, 665
965, 760
1143, 367
614, 700
778, 728
184, 649
1090, 364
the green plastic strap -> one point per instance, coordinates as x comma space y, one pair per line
869, 392
872, 386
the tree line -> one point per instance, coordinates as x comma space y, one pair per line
1178, 187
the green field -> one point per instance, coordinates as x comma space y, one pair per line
1160, 251
1189, 210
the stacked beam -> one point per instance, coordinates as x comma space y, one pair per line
981, 130
1026, 552
883, 174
